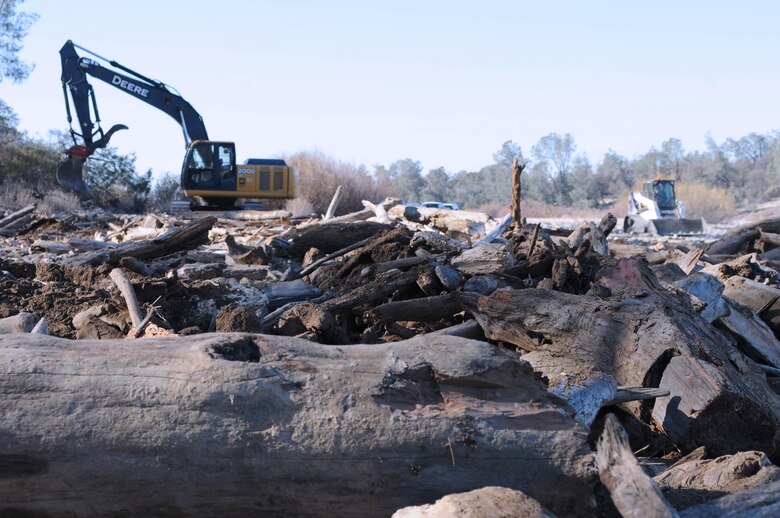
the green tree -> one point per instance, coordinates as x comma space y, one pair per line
437, 185
585, 191
13, 28
407, 175
670, 159
614, 174
556, 153
114, 182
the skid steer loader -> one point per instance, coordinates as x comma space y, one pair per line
656, 210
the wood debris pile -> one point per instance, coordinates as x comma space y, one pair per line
383, 360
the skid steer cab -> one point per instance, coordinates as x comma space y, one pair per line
656, 210
210, 172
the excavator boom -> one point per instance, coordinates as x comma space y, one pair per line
89, 137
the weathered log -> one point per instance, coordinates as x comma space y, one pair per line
707, 289
688, 261
332, 237
484, 259
443, 220
176, 239
281, 293
632, 491
244, 425
587, 346
20, 323
734, 242
502, 227
334, 204
6, 221
607, 224
695, 481
416, 310
383, 287
488, 501
763, 299
122, 282
760, 502
754, 337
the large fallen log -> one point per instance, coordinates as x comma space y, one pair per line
759, 502
697, 481
587, 347
248, 425
181, 238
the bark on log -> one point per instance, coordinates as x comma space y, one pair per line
248, 425
634, 493
587, 346
697, 481
183, 238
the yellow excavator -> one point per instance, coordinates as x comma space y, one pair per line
209, 175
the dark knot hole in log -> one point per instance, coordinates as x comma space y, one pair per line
239, 350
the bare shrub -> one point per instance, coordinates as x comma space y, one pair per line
299, 207
14, 196
165, 190
320, 175
57, 201
713, 204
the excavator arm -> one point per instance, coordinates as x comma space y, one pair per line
90, 136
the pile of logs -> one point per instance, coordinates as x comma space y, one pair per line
378, 361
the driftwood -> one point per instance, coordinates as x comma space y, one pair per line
763, 299
588, 346
423, 309
734, 242
484, 259
332, 237
122, 282
634, 494
334, 204
8, 220
20, 323
760, 502
754, 337
176, 239
484, 502
694, 481
247, 425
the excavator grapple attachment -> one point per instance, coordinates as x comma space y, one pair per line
70, 174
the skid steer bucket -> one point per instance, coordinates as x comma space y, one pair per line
675, 226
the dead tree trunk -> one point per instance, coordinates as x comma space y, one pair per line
587, 346
248, 425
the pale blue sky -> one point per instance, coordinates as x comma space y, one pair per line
442, 82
